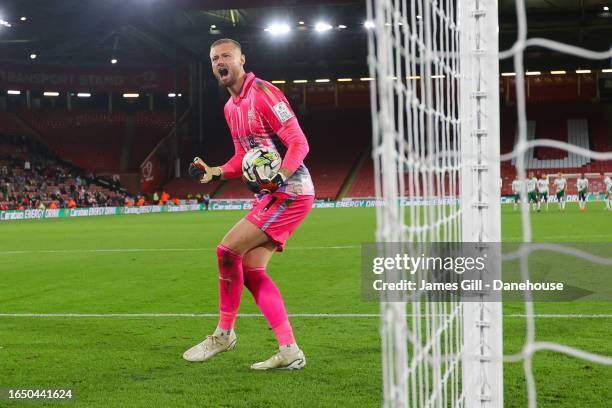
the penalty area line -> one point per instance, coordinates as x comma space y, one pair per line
257, 315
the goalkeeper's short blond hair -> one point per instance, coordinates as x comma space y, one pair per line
226, 41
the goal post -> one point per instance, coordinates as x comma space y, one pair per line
436, 149
435, 114
480, 185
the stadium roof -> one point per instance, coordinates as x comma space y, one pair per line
166, 32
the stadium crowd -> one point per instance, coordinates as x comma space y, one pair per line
33, 179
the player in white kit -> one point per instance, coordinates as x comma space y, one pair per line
582, 185
543, 191
532, 190
517, 190
560, 185
608, 186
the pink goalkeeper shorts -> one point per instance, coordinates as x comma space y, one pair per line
279, 214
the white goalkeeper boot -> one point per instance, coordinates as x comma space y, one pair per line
212, 345
287, 358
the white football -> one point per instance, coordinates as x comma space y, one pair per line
260, 164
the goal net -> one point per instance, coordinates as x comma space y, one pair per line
436, 151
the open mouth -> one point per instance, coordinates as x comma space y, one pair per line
223, 73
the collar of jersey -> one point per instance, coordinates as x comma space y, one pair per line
248, 81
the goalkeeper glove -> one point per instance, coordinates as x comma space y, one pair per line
266, 186
203, 172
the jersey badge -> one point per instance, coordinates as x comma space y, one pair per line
282, 112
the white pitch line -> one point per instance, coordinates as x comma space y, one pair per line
179, 315
331, 315
555, 238
120, 250
564, 316
511, 240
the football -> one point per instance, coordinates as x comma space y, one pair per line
260, 164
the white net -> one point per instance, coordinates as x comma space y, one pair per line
436, 144
531, 345
414, 58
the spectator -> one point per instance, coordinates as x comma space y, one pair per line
116, 181
164, 198
28, 179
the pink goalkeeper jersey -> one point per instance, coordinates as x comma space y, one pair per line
261, 117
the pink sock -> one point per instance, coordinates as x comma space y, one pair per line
270, 302
230, 286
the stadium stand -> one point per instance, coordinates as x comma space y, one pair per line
97, 140
574, 131
582, 124
104, 143
547, 89
336, 141
216, 151
150, 128
363, 185
91, 140
32, 178
11, 125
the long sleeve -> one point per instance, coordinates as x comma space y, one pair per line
275, 108
233, 168
294, 139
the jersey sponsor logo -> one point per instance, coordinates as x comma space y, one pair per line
282, 112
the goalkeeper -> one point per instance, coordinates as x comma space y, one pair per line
258, 115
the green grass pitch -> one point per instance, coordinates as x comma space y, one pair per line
136, 361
